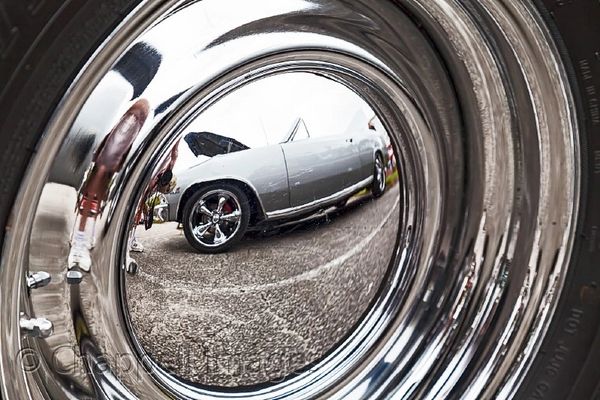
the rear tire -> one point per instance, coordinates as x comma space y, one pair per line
378, 184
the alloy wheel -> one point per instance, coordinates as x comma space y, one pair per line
216, 218
379, 174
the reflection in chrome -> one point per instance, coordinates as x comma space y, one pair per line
332, 199
483, 255
38, 280
107, 161
236, 159
35, 327
279, 175
216, 218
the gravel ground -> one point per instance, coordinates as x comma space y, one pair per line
271, 305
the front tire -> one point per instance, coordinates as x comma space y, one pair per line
216, 217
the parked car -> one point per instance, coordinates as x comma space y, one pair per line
237, 187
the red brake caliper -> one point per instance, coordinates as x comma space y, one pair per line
227, 209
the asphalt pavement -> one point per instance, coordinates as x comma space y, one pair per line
274, 303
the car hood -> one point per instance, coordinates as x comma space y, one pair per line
210, 144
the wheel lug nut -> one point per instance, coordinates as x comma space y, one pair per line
132, 267
38, 280
74, 277
36, 327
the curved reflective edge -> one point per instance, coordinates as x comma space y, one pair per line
348, 355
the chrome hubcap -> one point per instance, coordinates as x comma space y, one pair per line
481, 257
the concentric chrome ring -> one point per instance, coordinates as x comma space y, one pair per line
478, 106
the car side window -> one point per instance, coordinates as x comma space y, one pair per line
301, 133
298, 132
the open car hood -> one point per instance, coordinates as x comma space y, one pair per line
210, 144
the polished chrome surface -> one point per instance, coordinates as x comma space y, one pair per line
262, 297
319, 203
38, 280
35, 327
483, 123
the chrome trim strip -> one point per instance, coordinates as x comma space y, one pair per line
293, 211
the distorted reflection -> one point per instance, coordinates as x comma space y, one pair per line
267, 230
107, 161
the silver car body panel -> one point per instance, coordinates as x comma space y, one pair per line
290, 179
334, 198
319, 167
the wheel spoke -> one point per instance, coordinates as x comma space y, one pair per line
222, 201
201, 230
220, 237
232, 217
204, 210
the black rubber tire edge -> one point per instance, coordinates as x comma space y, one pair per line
568, 365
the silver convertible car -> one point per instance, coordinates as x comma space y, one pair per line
236, 187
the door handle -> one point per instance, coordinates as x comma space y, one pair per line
349, 140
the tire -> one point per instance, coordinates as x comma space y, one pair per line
44, 45
190, 215
568, 360
378, 184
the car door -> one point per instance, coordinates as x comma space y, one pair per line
367, 143
356, 173
319, 166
